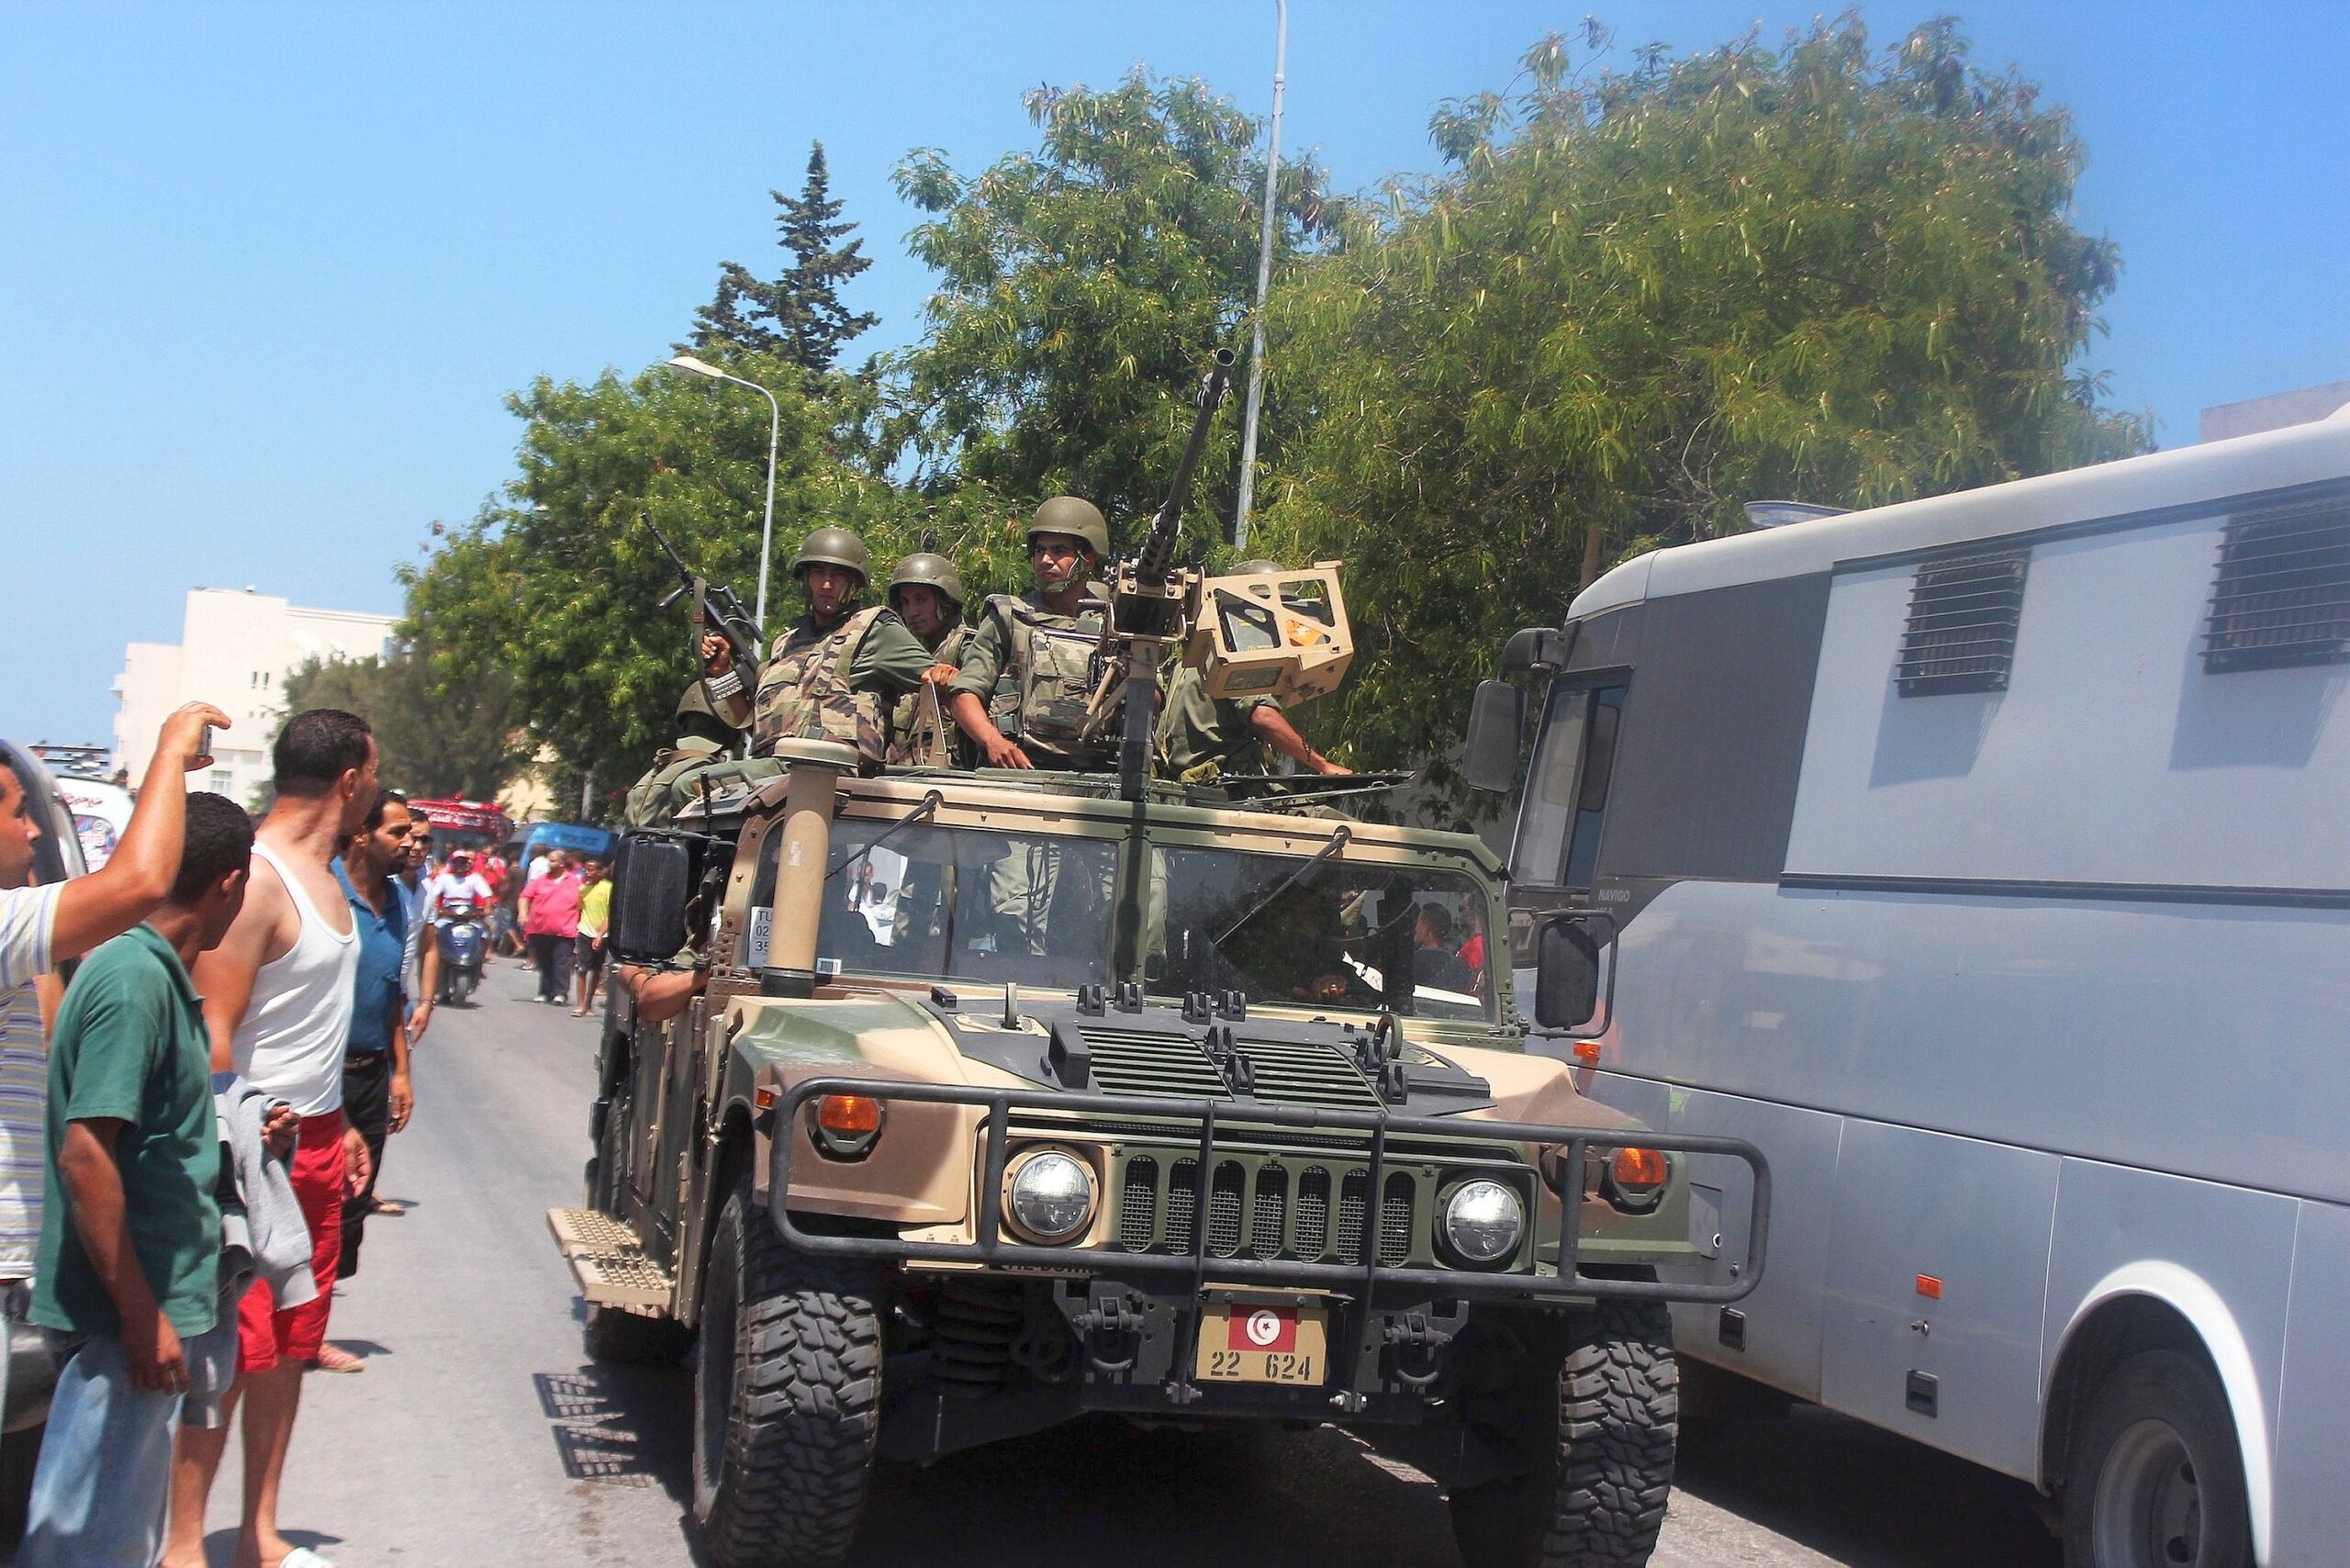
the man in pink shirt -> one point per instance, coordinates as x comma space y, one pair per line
550, 922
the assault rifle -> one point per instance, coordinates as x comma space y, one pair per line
716, 612
1150, 605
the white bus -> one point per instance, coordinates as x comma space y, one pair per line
1985, 860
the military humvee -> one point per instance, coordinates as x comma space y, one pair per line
1011, 1099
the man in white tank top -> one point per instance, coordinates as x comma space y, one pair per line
277, 997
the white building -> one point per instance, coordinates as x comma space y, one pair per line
235, 652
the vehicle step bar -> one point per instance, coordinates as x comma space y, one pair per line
609, 1263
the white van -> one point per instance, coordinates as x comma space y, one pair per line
1985, 860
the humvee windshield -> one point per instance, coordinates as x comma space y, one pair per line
951, 903
1038, 909
1287, 930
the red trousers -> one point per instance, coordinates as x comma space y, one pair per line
266, 1333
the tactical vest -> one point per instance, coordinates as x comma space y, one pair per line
804, 692
913, 736
1041, 694
655, 799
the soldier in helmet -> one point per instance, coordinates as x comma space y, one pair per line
1021, 693
927, 593
830, 675
1202, 738
701, 738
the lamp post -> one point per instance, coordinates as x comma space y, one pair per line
1264, 283
775, 433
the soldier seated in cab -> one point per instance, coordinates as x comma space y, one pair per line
831, 674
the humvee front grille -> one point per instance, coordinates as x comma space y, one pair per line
1284, 1072
1276, 1229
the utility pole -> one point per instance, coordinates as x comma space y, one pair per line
1264, 283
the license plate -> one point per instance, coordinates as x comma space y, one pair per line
1244, 1343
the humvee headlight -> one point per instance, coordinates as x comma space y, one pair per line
1051, 1196
1483, 1223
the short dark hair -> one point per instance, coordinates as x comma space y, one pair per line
1439, 921
384, 797
219, 839
317, 747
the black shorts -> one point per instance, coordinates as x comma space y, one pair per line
587, 954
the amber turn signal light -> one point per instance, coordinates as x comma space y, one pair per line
1634, 1178
846, 1126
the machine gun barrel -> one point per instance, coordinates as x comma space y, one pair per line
1157, 556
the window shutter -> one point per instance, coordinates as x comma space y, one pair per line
2283, 591
1961, 634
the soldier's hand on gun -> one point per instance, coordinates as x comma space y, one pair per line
717, 653
183, 737
1004, 752
940, 674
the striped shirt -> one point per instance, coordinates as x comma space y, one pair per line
27, 917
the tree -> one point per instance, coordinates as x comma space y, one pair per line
558, 584
1637, 300
800, 316
436, 735
1081, 288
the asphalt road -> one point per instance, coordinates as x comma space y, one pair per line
479, 1432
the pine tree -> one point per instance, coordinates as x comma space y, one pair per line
800, 315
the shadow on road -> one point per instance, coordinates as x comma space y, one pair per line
1867, 1498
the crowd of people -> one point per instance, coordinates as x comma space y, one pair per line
192, 1128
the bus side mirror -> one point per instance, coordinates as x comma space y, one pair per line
1489, 753
1566, 975
653, 882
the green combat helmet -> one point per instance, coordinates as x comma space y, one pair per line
931, 571
835, 547
1076, 517
696, 719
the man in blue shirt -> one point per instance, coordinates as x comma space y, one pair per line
375, 1088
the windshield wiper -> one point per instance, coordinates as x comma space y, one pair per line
1327, 852
930, 803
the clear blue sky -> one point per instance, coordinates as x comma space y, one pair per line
266, 269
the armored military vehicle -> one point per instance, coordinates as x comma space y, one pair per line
1013, 1096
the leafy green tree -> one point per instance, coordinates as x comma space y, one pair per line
438, 735
800, 316
1636, 300
558, 583
1081, 287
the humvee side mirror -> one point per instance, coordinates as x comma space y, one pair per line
653, 883
1489, 752
1566, 974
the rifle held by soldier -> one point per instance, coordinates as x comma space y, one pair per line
717, 612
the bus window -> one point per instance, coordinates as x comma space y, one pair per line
1566, 796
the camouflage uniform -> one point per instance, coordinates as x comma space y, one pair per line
1029, 665
655, 799
908, 745
804, 693
1201, 738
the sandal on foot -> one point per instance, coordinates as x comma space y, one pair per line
388, 1208
334, 1359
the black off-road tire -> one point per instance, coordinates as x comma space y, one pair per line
631, 1339
1600, 1446
2154, 1477
786, 1398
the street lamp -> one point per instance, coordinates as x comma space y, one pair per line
775, 433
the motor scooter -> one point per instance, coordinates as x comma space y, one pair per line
463, 940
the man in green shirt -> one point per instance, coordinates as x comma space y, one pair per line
130, 1229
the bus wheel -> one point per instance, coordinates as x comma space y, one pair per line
1599, 1447
2154, 1479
